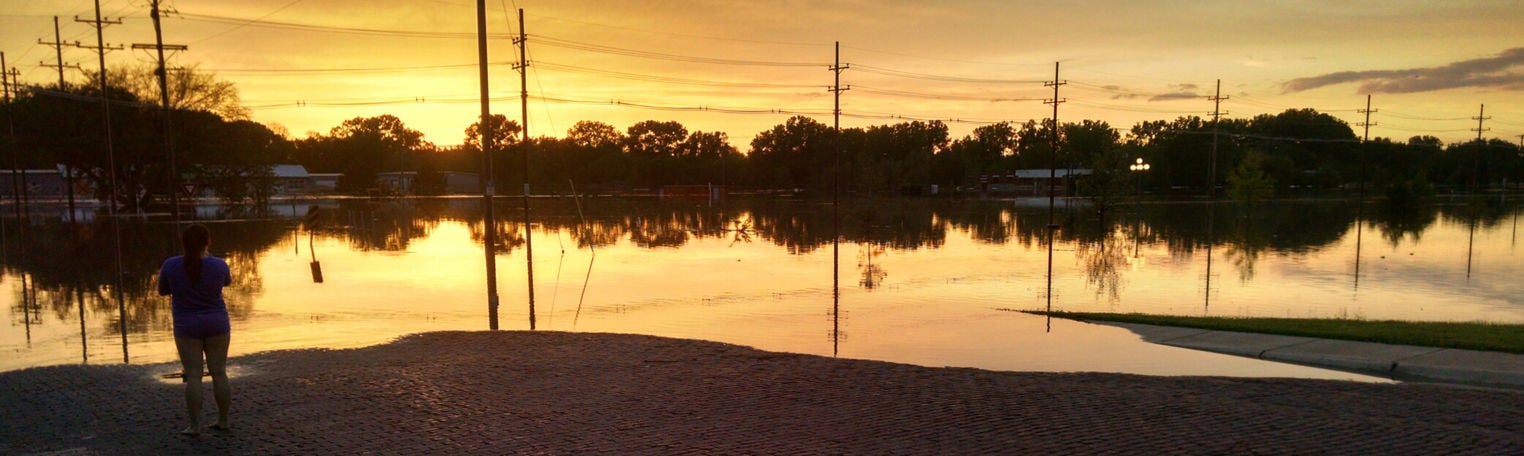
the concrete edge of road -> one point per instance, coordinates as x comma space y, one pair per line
1397, 362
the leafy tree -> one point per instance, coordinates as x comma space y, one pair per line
1110, 181
651, 138
1305, 148
362, 147
1180, 150
598, 155
797, 153
705, 145
190, 89
1085, 143
505, 133
1248, 183
594, 135
986, 150
653, 146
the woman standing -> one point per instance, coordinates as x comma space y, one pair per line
194, 281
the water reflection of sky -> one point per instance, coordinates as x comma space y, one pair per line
929, 299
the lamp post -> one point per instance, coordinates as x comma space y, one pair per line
1138, 167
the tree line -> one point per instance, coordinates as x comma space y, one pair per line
213, 142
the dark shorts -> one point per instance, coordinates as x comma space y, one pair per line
202, 325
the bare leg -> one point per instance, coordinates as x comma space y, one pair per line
217, 363
190, 369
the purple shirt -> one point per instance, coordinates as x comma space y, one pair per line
204, 296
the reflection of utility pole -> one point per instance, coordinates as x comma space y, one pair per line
16, 181
1137, 168
1052, 176
116, 224
523, 67
836, 89
84, 342
489, 228
163, 73
1216, 100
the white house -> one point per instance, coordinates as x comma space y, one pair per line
290, 179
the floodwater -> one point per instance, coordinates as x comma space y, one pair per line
921, 281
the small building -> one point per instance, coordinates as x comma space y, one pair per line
323, 182
397, 182
709, 191
1034, 182
290, 179
457, 183
42, 184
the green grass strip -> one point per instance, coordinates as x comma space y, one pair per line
1470, 336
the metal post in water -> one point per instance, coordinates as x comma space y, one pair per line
26, 311
1052, 182
1470, 243
524, 138
489, 229
836, 90
84, 343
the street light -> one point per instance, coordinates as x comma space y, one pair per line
1138, 167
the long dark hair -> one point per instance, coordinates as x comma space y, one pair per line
194, 239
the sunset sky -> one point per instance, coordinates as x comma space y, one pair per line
308, 65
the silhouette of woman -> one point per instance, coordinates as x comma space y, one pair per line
194, 282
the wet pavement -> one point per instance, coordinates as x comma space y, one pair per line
579, 393
1397, 362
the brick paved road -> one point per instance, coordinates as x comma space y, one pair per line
567, 393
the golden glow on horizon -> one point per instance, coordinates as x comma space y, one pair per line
1117, 57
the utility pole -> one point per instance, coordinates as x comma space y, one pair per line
1364, 176
1212, 164
10, 79
163, 73
100, 51
16, 175
1476, 161
1052, 174
1367, 123
489, 230
523, 67
58, 45
1365, 139
836, 89
1480, 117
5, 81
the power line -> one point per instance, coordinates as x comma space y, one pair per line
626, 52
680, 35
935, 77
331, 29
1116, 107
246, 23
346, 70
938, 96
666, 79
942, 59
1400, 115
